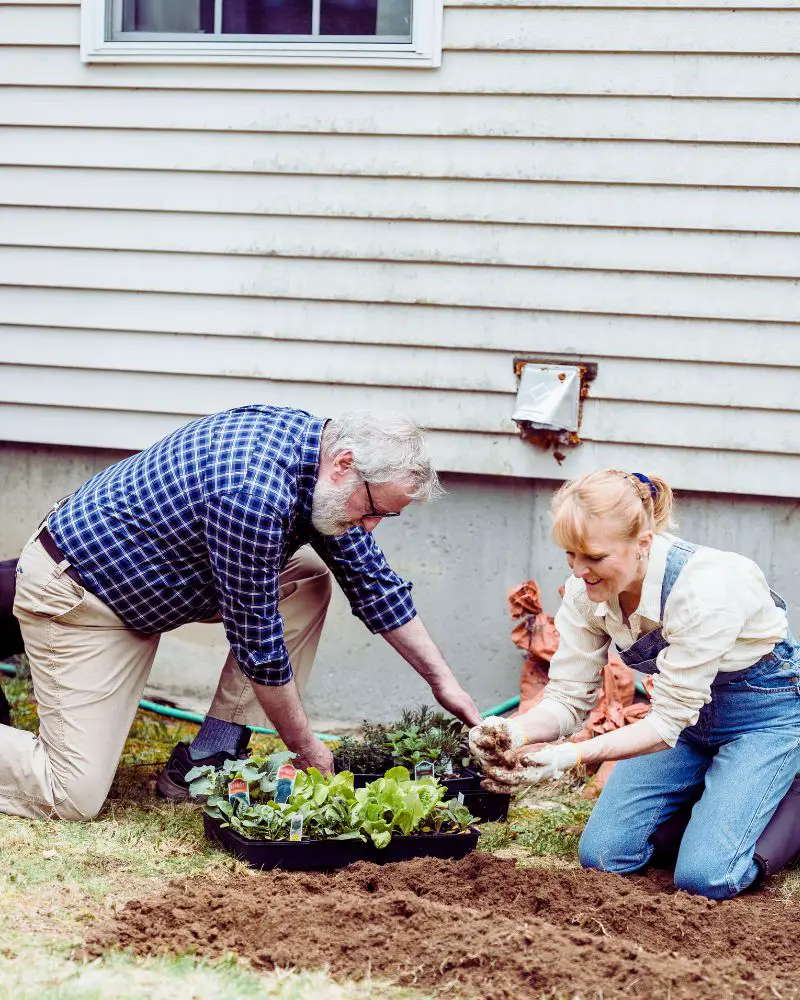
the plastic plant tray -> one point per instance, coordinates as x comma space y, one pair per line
287, 854
489, 806
329, 854
449, 846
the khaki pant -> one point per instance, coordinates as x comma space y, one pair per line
89, 671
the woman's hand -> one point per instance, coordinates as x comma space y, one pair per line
532, 767
494, 740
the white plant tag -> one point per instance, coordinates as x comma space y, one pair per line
296, 827
460, 798
424, 769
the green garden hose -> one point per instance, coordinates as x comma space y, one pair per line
183, 715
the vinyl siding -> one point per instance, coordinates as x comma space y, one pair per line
612, 181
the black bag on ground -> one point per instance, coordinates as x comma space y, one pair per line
10, 635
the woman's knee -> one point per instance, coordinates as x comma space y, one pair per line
606, 849
709, 874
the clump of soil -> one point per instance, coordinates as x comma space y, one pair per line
479, 928
496, 748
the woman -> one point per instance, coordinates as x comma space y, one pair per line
724, 727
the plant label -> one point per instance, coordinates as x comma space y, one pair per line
296, 827
284, 782
445, 766
239, 789
424, 769
460, 798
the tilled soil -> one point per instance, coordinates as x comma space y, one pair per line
479, 928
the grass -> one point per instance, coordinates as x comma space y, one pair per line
58, 877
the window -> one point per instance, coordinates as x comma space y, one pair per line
333, 32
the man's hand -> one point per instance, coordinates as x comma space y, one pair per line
533, 767
415, 645
455, 699
494, 741
314, 754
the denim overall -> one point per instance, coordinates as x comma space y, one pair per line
741, 757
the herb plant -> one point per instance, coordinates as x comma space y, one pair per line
422, 734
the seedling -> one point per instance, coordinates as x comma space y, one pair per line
422, 734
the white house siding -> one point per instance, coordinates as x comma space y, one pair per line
611, 181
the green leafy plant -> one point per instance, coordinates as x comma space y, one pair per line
397, 803
329, 805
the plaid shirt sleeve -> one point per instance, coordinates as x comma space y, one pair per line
377, 595
245, 538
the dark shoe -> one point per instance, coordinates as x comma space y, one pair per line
5, 710
171, 783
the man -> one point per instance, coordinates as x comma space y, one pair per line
211, 523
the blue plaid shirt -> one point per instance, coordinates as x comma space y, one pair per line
202, 523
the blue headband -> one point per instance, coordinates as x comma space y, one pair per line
643, 479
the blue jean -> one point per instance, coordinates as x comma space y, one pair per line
743, 752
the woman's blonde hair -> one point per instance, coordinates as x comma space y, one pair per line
638, 504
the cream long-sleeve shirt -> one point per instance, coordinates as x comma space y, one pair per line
720, 616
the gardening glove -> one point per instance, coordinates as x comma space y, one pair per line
533, 768
494, 741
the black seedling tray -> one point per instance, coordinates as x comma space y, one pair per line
450, 846
288, 854
489, 806
328, 854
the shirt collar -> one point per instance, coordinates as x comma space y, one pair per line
308, 471
650, 601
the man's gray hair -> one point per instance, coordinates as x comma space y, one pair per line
387, 447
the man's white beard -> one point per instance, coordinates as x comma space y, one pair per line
329, 508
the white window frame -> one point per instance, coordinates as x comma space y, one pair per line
423, 51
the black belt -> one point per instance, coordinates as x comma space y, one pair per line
55, 553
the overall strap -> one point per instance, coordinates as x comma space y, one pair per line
778, 600
677, 557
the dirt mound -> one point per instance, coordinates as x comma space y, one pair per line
479, 928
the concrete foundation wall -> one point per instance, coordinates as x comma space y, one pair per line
464, 554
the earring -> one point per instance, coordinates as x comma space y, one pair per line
638, 556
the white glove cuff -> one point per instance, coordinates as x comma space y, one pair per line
567, 756
559, 757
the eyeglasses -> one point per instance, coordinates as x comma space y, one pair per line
377, 513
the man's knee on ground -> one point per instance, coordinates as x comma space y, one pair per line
80, 806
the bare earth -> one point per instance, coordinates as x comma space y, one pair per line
478, 928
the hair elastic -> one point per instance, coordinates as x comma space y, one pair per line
643, 479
